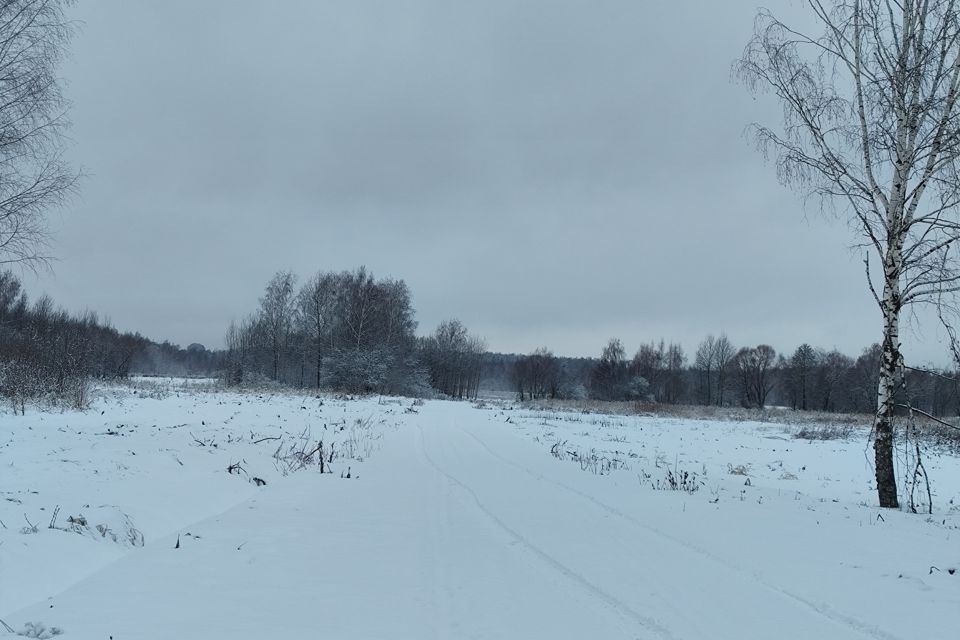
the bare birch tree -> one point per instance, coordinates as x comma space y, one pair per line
871, 127
33, 175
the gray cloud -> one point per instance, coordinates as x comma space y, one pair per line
549, 172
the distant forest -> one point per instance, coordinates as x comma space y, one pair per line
48, 355
809, 379
351, 332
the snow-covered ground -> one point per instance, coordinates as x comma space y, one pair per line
455, 522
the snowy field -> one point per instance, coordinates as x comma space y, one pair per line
172, 511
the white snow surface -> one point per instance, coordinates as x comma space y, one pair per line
457, 521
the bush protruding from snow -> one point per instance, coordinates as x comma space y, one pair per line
40, 631
110, 523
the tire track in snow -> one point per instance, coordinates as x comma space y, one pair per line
827, 612
613, 602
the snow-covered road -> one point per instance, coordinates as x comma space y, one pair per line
463, 528
606, 567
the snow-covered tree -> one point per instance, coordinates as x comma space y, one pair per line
454, 359
277, 312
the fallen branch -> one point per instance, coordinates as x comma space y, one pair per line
928, 416
931, 372
920, 472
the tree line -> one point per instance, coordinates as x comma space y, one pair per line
48, 354
720, 374
350, 331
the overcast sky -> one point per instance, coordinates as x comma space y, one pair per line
550, 172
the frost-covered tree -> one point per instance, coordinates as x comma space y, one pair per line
454, 359
318, 300
277, 315
871, 127
662, 367
611, 374
538, 375
344, 330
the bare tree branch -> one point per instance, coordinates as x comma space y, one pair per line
34, 178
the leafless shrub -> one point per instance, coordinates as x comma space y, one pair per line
773, 415
152, 389
678, 481
30, 528
558, 451
362, 439
297, 454
39, 630
122, 532
834, 432
940, 436
589, 460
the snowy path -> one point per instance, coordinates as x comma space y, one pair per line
658, 586
458, 529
